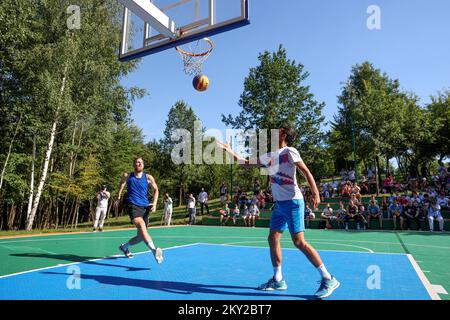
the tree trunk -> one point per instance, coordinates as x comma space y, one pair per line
11, 216
377, 174
30, 199
5, 165
47, 156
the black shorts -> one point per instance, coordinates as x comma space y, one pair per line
135, 211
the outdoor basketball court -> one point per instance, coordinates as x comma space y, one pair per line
213, 263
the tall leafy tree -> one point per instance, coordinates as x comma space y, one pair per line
276, 94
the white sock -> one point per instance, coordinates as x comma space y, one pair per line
151, 245
323, 272
277, 273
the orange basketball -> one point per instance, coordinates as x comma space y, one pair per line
200, 82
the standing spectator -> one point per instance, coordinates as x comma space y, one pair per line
203, 199
191, 209
254, 214
344, 176
102, 208
352, 175
309, 214
236, 194
261, 200
256, 187
396, 212
223, 193
370, 173
224, 215
434, 212
374, 212
388, 184
168, 208
334, 188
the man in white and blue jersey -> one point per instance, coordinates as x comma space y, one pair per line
138, 206
289, 209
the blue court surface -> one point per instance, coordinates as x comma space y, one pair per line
218, 272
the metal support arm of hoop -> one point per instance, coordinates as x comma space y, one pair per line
193, 61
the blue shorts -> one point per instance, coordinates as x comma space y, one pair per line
288, 214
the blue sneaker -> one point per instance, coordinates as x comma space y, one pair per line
327, 287
273, 285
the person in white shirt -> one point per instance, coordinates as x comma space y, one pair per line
223, 193
203, 199
442, 200
352, 175
191, 209
434, 213
102, 208
168, 208
289, 208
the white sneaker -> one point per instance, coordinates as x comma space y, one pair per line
158, 254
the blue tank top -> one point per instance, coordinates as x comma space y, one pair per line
137, 190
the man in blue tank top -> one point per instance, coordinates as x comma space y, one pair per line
138, 206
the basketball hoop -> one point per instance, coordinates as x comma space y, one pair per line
195, 54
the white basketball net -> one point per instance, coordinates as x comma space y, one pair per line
194, 54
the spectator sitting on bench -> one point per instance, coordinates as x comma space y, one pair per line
309, 215
395, 210
434, 212
443, 201
412, 212
360, 217
235, 213
374, 212
384, 206
341, 214
254, 214
224, 215
246, 215
327, 215
352, 212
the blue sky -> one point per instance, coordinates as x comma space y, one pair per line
327, 36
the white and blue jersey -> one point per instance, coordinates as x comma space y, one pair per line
289, 210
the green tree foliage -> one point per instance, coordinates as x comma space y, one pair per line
275, 94
62, 87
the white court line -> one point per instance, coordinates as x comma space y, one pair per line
424, 279
439, 289
92, 260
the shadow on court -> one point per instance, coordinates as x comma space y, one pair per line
184, 288
74, 258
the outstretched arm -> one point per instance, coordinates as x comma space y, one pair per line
123, 181
240, 160
312, 184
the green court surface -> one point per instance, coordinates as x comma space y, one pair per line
431, 251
